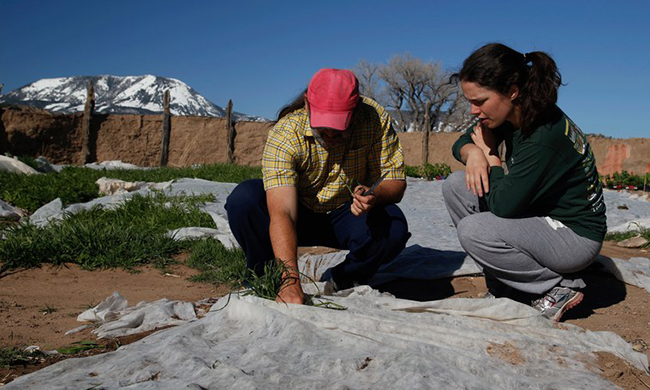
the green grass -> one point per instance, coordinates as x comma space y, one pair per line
217, 264
77, 184
81, 346
133, 234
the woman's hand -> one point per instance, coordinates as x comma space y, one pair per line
483, 138
477, 172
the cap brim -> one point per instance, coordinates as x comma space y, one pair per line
333, 120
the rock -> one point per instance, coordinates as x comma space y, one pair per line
634, 242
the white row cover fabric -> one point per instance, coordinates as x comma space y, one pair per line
115, 318
13, 165
377, 342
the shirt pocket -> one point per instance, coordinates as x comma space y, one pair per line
354, 166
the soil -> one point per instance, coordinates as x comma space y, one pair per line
40, 305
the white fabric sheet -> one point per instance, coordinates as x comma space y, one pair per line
378, 342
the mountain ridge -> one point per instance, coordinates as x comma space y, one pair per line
118, 95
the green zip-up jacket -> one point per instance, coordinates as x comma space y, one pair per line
552, 172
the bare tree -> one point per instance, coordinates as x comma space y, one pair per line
366, 72
419, 92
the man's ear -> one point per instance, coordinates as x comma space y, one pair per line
514, 92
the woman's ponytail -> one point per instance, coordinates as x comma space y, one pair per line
539, 92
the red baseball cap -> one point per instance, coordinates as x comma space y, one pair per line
332, 94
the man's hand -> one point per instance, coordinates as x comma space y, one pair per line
362, 204
291, 292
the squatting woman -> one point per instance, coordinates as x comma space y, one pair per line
536, 220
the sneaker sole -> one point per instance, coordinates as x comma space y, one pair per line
573, 302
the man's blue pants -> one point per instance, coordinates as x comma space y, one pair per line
374, 238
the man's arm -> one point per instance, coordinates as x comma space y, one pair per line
283, 209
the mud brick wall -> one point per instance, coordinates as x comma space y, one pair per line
136, 139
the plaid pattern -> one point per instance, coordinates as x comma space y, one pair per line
293, 157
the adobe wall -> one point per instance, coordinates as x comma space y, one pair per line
137, 139
612, 154
617, 155
33, 132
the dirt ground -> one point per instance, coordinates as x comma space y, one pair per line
38, 306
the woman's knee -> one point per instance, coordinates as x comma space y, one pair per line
452, 184
472, 230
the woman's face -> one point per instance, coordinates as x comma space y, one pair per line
490, 107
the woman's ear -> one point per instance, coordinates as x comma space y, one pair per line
514, 92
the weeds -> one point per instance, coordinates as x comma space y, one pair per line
17, 357
268, 285
48, 309
274, 278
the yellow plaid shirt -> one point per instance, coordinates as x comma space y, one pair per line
293, 157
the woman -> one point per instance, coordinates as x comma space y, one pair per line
532, 228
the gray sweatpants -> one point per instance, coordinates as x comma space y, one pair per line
532, 254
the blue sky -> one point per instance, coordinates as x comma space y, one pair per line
261, 54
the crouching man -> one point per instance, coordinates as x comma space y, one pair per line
320, 161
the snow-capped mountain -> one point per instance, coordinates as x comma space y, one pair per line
118, 95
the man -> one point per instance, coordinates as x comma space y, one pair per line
323, 142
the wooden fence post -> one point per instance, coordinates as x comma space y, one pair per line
166, 129
88, 113
231, 134
427, 129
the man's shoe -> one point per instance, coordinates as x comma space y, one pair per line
557, 301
